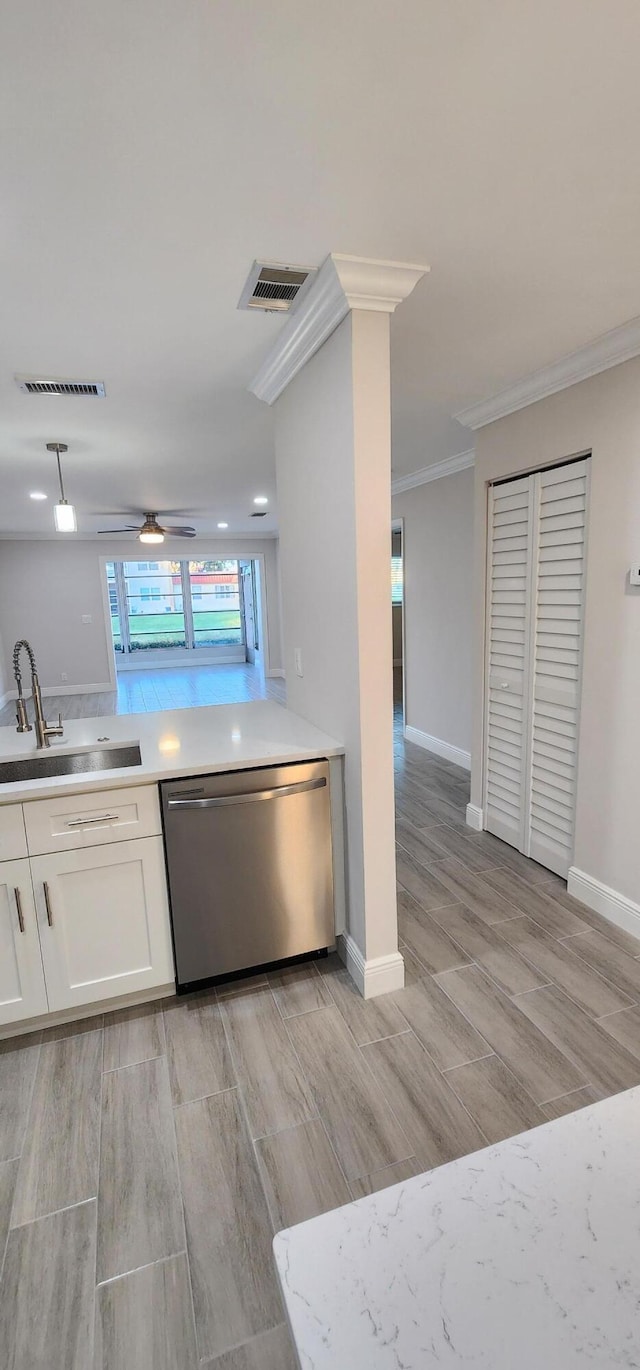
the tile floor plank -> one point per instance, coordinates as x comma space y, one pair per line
382, 1179
425, 887
543, 908
625, 1029
426, 938
444, 1032
18, 1064
298, 989
435, 844
568, 1103
437, 1125
363, 1131
132, 1035
300, 1174
493, 1096
413, 968
504, 855
609, 960
273, 1086
59, 1163
482, 943
47, 1292
559, 964
540, 1066
59, 1031
139, 1210
8, 1177
473, 891
198, 1056
270, 1351
228, 1227
145, 1320
601, 1060
367, 1019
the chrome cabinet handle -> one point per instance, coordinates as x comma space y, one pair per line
16, 895
82, 822
47, 903
250, 797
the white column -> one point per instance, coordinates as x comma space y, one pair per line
329, 376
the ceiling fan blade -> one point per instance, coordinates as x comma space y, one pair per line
131, 528
176, 532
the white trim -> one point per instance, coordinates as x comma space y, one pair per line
276, 671
101, 687
610, 349
4, 699
380, 976
615, 907
474, 817
447, 467
435, 744
71, 1015
342, 283
146, 660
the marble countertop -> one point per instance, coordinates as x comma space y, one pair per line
176, 742
524, 1255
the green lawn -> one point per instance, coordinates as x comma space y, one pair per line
167, 630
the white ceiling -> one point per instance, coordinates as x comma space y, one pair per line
150, 150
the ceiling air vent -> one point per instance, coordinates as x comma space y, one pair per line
261, 514
272, 286
44, 385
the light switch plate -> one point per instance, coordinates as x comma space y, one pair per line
634, 575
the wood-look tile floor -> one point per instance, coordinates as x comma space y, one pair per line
147, 1157
168, 687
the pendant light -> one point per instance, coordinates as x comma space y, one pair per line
64, 514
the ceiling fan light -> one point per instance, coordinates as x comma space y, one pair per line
150, 537
64, 517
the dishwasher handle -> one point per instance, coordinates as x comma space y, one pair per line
250, 797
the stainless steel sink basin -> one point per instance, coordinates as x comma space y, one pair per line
45, 764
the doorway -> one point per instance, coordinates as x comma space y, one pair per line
397, 615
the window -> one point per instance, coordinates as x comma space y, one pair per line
174, 604
396, 580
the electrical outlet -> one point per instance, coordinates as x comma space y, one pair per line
297, 657
87, 618
634, 575
63, 675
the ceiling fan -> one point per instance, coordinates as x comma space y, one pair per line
152, 531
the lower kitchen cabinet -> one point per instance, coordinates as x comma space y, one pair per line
104, 921
22, 985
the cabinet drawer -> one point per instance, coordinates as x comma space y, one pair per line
91, 820
13, 841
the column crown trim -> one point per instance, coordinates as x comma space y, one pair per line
343, 283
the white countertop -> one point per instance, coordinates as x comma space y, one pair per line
176, 742
524, 1255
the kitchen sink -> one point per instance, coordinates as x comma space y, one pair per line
44, 764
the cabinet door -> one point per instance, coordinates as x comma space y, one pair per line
104, 921
22, 990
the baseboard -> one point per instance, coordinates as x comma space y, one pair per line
617, 908
379, 976
48, 690
474, 817
435, 744
277, 671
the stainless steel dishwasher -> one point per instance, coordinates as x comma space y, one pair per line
250, 868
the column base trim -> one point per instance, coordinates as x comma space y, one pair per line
379, 976
613, 906
474, 817
435, 744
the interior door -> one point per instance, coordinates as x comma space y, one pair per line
22, 987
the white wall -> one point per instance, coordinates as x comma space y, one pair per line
602, 415
438, 597
46, 586
333, 474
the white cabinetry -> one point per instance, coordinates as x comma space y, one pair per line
104, 921
22, 989
86, 918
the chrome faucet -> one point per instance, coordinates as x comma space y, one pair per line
44, 730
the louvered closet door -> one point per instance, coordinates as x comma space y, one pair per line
559, 543
510, 528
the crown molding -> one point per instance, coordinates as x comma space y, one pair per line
447, 467
343, 283
619, 345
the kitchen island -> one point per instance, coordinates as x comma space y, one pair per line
522, 1256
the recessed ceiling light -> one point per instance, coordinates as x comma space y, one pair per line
37, 494
261, 499
223, 525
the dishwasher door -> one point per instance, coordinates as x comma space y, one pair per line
250, 867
